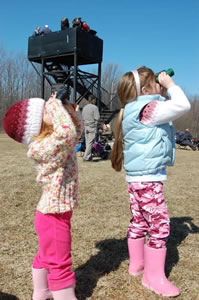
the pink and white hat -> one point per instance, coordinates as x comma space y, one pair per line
23, 120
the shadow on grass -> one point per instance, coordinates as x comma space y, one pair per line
180, 229
4, 296
112, 253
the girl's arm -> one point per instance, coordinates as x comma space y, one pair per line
63, 126
77, 119
55, 147
160, 112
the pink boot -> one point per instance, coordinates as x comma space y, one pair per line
136, 256
65, 294
154, 277
40, 284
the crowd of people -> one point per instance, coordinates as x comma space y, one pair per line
144, 145
65, 24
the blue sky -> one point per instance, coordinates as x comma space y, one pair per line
158, 34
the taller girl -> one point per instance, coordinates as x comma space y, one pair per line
144, 139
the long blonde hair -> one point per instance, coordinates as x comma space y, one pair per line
45, 131
126, 91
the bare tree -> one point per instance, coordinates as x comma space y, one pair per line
190, 119
110, 78
18, 80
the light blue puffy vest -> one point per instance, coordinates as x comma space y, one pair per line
147, 149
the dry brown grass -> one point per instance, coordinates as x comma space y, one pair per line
100, 256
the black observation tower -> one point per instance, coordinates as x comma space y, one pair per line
60, 54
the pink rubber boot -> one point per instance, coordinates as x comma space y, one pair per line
65, 294
154, 276
136, 256
40, 284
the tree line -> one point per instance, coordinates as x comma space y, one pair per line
19, 80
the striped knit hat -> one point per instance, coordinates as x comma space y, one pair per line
23, 120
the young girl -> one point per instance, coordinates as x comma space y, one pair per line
54, 131
144, 138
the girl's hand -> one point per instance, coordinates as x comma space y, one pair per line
51, 99
165, 80
46, 116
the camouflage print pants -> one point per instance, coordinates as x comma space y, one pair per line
149, 213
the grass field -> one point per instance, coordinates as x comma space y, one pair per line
99, 225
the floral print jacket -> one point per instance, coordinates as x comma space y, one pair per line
56, 161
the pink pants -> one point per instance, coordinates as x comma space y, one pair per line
54, 252
149, 213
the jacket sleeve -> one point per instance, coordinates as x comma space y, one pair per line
77, 120
160, 112
53, 150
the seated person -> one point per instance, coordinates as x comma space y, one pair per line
179, 136
185, 139
85, 26
77, 22
46, 30
188, 135
64, 23
37, 31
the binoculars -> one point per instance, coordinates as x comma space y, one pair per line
169, 72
